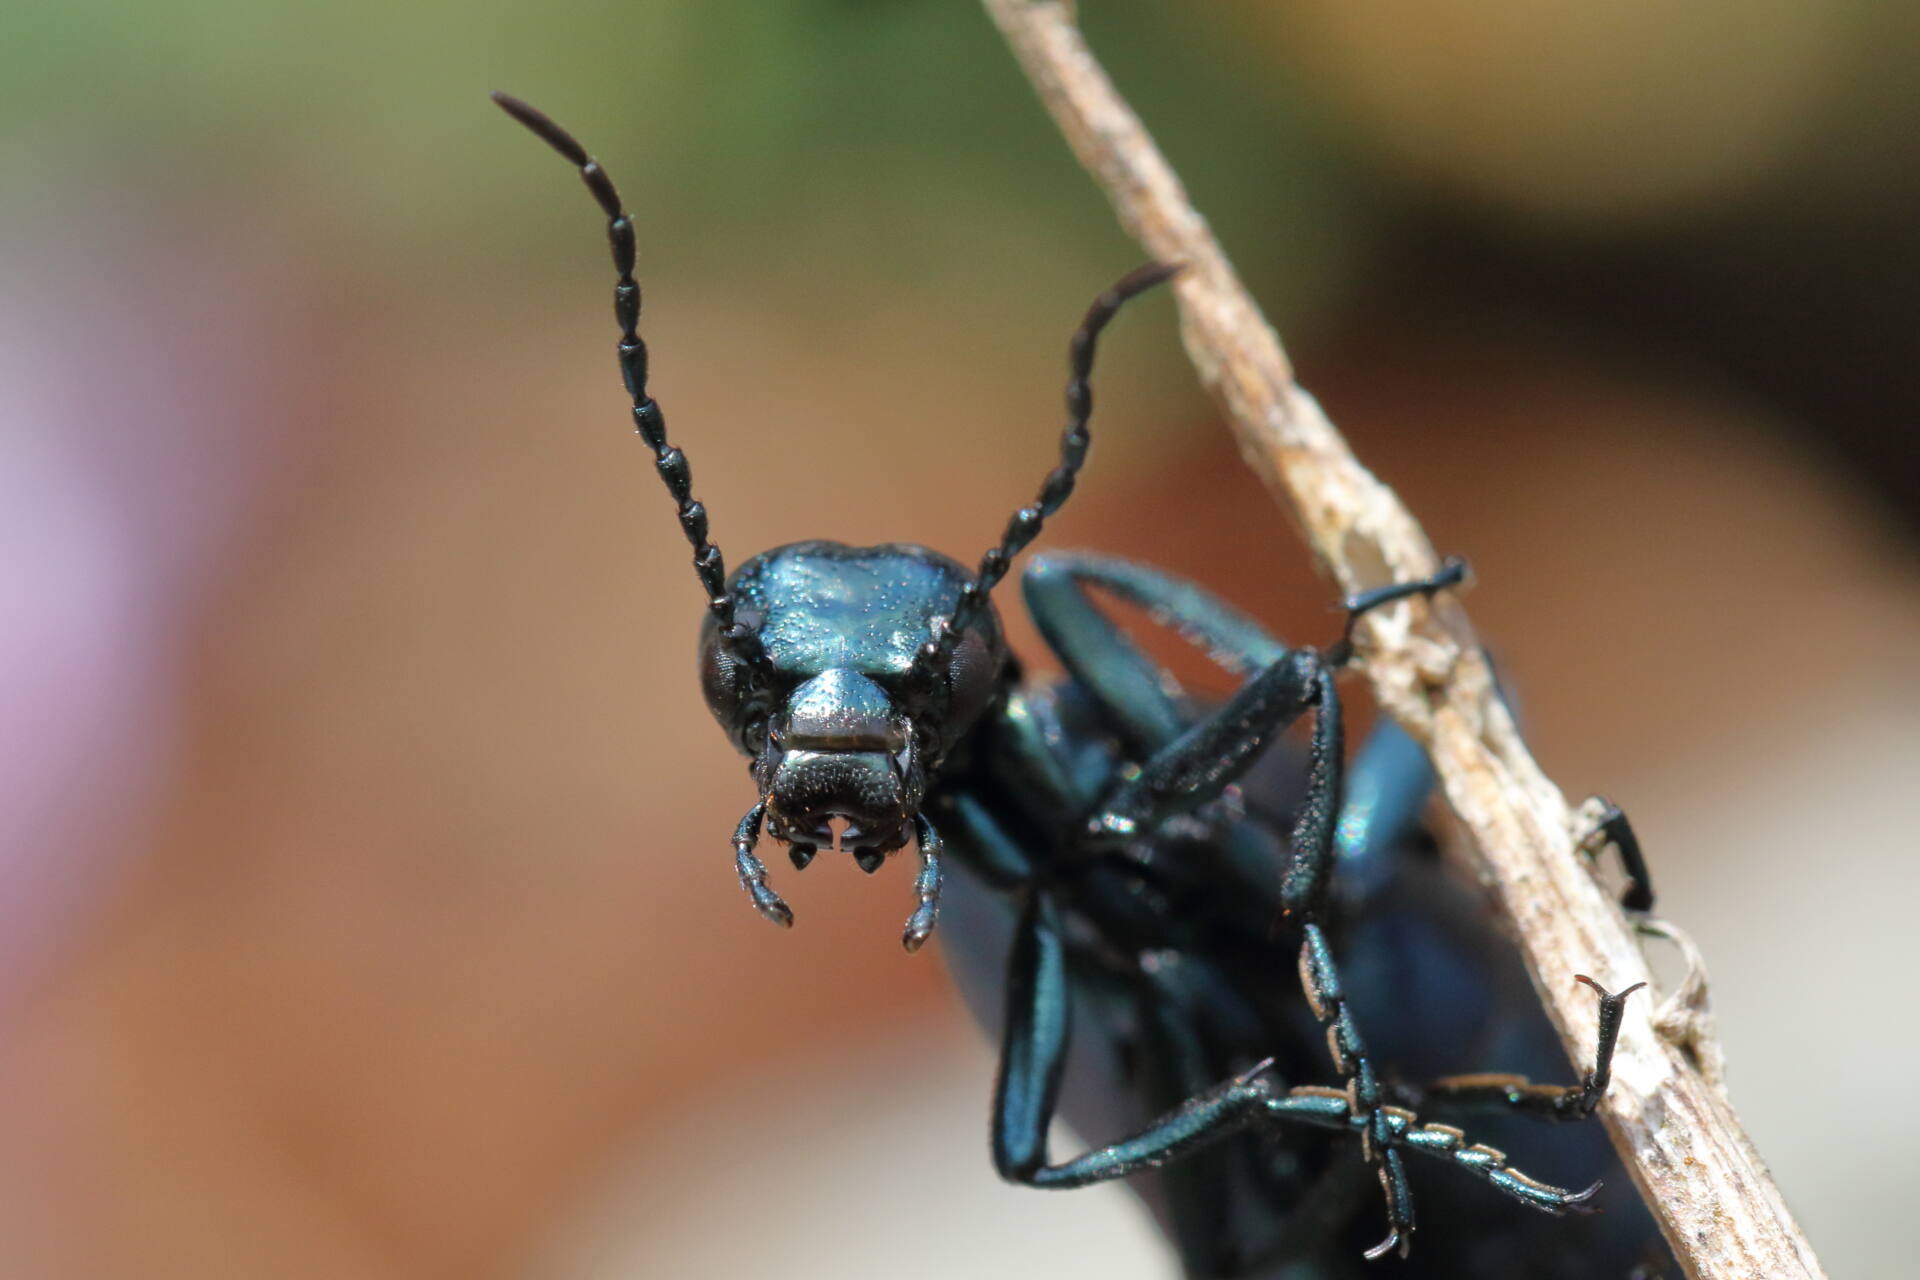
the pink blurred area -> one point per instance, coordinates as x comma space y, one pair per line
143, 423
365, 898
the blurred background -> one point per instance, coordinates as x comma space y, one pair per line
365, 899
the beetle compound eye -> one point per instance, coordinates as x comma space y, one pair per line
973, 675
727, 683
720, 678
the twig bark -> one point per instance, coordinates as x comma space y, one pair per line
1674, 1128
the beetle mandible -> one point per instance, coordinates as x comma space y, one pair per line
874, 695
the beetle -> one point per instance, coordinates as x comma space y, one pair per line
1150, 863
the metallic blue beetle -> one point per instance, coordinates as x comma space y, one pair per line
1150, 865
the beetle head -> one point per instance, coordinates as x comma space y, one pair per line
844, 727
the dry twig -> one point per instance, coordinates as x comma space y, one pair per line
1674, 1129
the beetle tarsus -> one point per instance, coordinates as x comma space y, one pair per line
773, 907
1394, 1241
1613, 1006
1451, 573
1610, 827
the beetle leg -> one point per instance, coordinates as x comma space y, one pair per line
1253, 1098
1198, 765
1038, 1031
1303, 892
1303, 887
753, 872
1452, 572
1610, 827
1378, 1143
1332, 1109
1389, 781
926, 886
1132, 690
1490, 1164
1039, 1024
1548, 1101
1193, 768
1219, 1205
1385, 789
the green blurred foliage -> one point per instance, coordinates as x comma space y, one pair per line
1697, 184
795, 138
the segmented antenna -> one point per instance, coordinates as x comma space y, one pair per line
1025, 524
647, 418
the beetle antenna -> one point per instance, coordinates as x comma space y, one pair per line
1025, 524
647, 418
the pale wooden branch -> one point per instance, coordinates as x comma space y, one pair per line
1674, 1129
